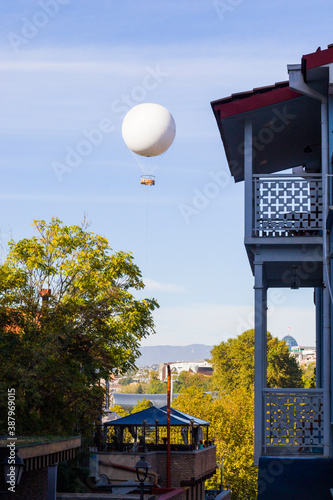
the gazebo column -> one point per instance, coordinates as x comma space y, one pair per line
260, 356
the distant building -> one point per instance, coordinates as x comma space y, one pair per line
290, 341
203, 367
304, 354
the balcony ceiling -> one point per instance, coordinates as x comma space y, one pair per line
287, 275
286, 134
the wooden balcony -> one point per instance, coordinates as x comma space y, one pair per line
294, 422
287, 206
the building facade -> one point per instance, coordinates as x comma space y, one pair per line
305, 355
203, 367
279, 141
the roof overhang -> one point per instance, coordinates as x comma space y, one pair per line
285, 134
285, 123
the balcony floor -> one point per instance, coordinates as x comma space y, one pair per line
295, 478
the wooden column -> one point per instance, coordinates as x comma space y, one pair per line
319, 336
248, 181
260, 356
326, 370
168, 429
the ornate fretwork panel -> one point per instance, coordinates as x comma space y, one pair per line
293, 421
287, 205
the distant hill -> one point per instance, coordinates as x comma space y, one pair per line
151, 355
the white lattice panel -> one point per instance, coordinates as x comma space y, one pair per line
288, 206
294, 419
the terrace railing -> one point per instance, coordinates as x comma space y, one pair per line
287, 205
293, 422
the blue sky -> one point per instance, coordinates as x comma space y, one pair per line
71, 69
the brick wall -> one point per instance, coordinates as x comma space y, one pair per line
185, 465
33, 486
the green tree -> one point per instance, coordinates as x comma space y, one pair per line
309, 376
68, 316
126, 380
153, 375
155, 386
119, 410
233, 362
134, 388
139, 389
142, 405
187, 379
232, 422
231, 419
194, 401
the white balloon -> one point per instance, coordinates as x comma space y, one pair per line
148, 129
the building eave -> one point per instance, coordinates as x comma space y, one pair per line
255, 99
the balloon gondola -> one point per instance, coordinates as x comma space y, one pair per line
148, 130
148, 180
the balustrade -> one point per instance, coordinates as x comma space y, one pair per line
293, 421
288, 205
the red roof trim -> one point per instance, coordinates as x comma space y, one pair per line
318, 58
255, 101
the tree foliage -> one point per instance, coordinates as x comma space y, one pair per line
231, 419
119, 410
68, 316
233, 363
126, 380
194, 401
309, 376
142, 405
155, 386
187, 379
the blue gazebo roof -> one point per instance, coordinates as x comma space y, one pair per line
177, 413
151, 414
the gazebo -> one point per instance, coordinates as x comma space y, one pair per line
146, 430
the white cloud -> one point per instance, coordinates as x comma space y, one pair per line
68, 89
98, 199
155, 286
211, 324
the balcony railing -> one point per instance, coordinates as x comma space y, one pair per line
293, 422
287, 205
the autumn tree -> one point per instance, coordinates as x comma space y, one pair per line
142, 405
119, 410
233, 362
187, 379
193, 401
126, 380
231, 417
68, 317
309, 375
